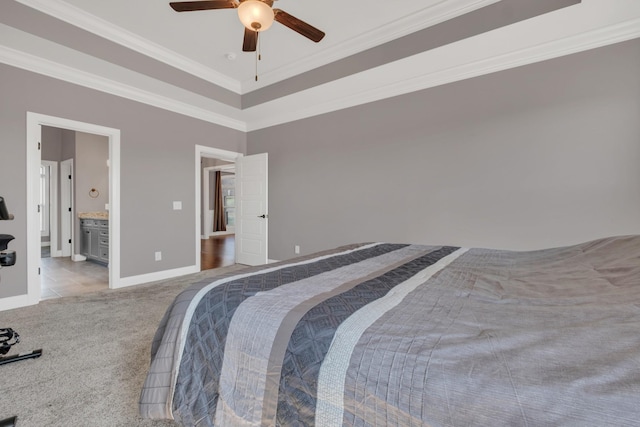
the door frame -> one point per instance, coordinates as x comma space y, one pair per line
53, 206
35, 121
66, 202
213, 153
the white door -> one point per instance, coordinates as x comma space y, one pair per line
251, 209
66, 206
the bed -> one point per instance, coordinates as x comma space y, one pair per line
407, 335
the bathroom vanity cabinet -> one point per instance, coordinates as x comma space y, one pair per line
94, 243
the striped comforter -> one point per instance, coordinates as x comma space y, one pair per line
407, 335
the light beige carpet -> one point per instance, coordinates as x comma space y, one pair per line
95, 355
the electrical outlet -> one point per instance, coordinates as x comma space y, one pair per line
158, 256
296, 249
177, 206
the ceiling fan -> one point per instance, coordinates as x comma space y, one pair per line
255, 15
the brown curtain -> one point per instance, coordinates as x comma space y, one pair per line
219, 223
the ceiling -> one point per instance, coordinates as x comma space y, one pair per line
192, 62
208, 37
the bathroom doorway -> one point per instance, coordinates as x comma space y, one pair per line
35, 125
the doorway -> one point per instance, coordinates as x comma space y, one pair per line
35, 122
48, 207
251, 218
217, 211
221, 246
63, 270
223, 196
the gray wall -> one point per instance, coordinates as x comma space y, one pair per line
91, 171
157, 167
92, 152
68, 145
542, 155
51, 144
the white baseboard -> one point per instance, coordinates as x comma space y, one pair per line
23, 300
152, 277
271, 261
222, 233
15, 302
78, 257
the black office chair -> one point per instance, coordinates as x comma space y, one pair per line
9, 337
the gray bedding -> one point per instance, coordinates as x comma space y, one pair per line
408, 335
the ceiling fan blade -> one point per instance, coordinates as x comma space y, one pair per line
250, 40
298, 26
189, 6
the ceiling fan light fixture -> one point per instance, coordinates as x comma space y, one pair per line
255, 15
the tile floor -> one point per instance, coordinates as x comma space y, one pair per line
62, 277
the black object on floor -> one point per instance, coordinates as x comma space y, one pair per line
9, 422
9, 338
18, 357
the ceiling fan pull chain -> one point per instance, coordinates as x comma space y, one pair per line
257, 52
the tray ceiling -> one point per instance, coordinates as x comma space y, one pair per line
192, 62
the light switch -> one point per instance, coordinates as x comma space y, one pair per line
177, 206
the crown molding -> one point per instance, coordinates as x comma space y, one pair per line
425, 18
289, 108
63, 72
428, 16
86, 21
573, 44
